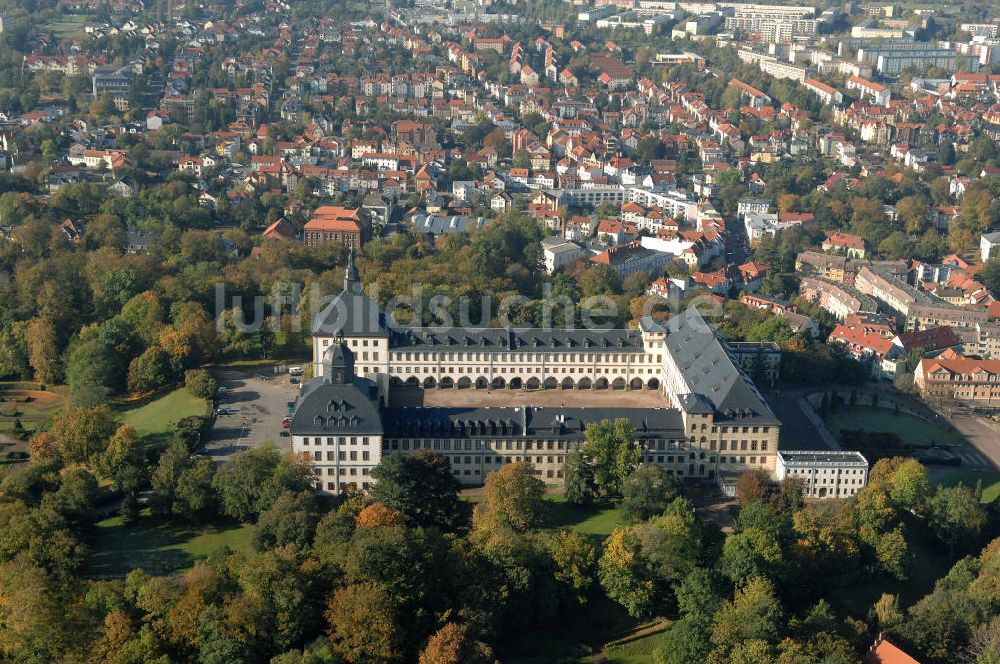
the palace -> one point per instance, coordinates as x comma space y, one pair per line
713, 421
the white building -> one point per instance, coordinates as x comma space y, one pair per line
987, 243
559, 253
877, 93
827, 474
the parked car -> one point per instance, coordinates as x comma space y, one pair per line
295, 371
287, 424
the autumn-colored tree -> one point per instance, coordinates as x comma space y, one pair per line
788, 203
753, 486
363, 625
43, 447
83, 433
43, 351
377, 514
452, 644
513, 498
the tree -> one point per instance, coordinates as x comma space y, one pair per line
194, 495
43, 350
989, 275
686, 641
93, 372
513, 498
623, 574
200, 383
421, 486
611, 450
914, 213
150, 371
910, 485
188, 431
893, 553
640, 562
376, 515
753, 613
698, 596
647, 491
453, 644
172, 462
956, 515
750, 553
245, 485
579, 480
123, 465
291, 520
363, 625
575, 561
82, 433
76, 498
753, 486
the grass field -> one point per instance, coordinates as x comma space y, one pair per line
911, 429
156, 418
595, 521
158, 547
639, 651
991, 481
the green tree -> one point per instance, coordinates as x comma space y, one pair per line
749, 554
648, 490
956, 515
194, 494
686, 641
172, 462
579, 480
612, 451
624, 574
200, 383
253, 480
421, 486
291, 520
150, 371
754, 613
575, 563
910, 485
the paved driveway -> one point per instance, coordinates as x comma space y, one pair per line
259, 402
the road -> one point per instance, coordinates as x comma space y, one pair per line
981, 436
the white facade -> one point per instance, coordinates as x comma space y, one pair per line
987, 243
830, 474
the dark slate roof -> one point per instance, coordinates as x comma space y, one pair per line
530, 339
711, 374
404, 422
326, 409
352, 313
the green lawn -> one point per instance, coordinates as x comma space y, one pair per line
911, 429
595, 521
159, 415
639, 651
991, 481
158, 547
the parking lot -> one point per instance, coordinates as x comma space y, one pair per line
257, 400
